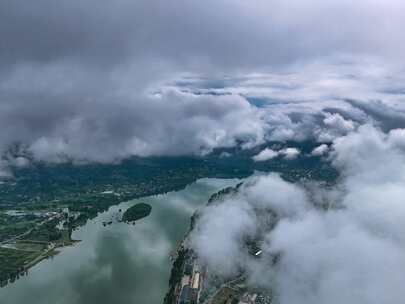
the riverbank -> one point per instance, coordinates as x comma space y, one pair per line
118, 260
51, 253
19, 257
192, 282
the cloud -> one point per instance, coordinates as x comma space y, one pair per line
117, 33
320, 150
330, 258
122, 84
171, 123
288, 200
290, 153
265, 154
352, 251
4, 170
68, 117
220, 243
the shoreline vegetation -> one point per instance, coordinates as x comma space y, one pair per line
31, 258
182, 255
136, 212
51, 253
82, 215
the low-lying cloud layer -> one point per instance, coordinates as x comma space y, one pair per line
351, 250
69, 121
267, 153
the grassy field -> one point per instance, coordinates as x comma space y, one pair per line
225, 296
30, 246
13, 261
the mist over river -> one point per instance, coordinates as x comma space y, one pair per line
119, 263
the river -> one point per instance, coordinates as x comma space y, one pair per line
120, 263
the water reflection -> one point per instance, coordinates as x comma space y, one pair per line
118, 263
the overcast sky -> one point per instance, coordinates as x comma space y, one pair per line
104, 80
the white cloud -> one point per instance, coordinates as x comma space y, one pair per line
265, 154
287, 200
336, 121
354, 253
290, 153
320, 150
219, 239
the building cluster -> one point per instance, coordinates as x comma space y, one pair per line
195, 287
191, 283
248, 298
